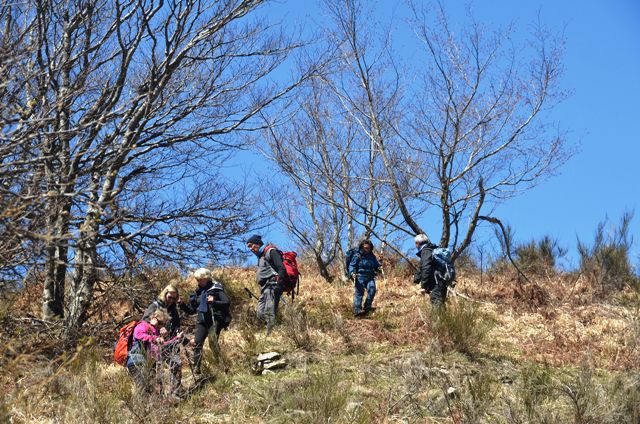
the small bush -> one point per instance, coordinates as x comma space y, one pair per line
538, 257
296, 327
535, 388
466, 263
606, 263
594, 399
319, 396
345, 334
479, 393
461, 326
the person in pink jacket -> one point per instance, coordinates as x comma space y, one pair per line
145, 350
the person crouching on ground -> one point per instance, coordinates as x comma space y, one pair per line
363, 268
168, 300
212, 304
270, 276
145, 350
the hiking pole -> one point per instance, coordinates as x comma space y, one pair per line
251, 295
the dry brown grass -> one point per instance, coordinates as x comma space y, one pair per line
391, 366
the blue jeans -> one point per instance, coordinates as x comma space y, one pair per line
361, 285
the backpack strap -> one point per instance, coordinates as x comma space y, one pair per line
267, 252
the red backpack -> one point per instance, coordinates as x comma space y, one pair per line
123, 344
292, 282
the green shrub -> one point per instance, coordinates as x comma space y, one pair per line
606, 263
296, 327
318, 396
477, 398
538, 257
461, 326
596, 399
534, 389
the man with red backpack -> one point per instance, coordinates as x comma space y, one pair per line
271, 277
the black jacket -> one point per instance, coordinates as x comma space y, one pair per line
219, 309
426, 268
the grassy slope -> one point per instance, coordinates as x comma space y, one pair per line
496, 359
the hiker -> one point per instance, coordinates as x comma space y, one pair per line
168, 301
425, 272
145, 350
363, 268
270, 276
211, 303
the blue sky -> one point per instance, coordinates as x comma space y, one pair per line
602, 69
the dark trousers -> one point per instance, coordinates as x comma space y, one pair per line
438, 294
202, 332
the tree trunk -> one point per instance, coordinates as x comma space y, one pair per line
82, 283
56, 262
322, 267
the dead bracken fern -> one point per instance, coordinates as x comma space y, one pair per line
495, 360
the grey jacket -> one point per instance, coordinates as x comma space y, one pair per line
270, 267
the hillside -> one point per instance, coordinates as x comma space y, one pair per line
546, 351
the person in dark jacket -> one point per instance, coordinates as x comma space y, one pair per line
212, 304
270, 276
167, 301
425, 272
363, 268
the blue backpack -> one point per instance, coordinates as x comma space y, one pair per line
445, 271
348, 257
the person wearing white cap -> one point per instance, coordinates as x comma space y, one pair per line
211, 303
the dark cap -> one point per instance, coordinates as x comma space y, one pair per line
255, 239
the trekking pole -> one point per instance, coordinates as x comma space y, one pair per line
251, 295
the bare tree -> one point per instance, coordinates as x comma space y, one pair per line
471, 130
312, 150
129, 114
481, 131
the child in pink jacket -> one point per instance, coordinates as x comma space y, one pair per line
145, 350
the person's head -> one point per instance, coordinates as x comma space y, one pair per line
159, 318
421, 239
366, 246
169, 294
254, 243
202, 276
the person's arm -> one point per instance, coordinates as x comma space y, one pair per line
353, 264
190, 307
426, 269
376, 265
418, 274
275, 260
221, 301
141, 332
